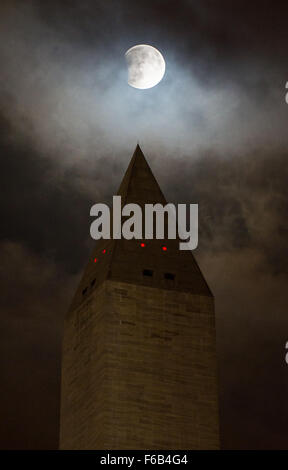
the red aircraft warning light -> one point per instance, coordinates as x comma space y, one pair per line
142, 245
164, 248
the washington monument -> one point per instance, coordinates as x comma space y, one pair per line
139, 367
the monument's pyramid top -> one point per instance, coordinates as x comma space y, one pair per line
155, 263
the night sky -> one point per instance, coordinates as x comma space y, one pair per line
214, 132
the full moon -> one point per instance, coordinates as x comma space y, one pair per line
146, 66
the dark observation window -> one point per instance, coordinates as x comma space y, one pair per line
169, 276
147, 272
84, 291
93, 282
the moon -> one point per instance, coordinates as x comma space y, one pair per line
146, 66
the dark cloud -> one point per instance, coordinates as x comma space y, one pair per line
32, 305
214, 131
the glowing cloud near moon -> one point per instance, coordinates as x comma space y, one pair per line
146, 66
